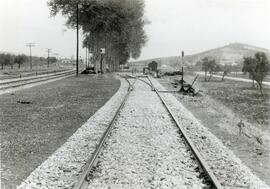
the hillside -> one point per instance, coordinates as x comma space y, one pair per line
231, 54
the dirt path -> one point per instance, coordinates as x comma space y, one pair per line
235, 78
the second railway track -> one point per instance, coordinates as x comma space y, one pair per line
12, 84
177, 160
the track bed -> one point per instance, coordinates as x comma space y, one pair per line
145, 149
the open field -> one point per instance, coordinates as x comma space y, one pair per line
8, 73
220, 108
241, 98
37, 121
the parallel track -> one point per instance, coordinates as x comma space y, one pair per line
27, 81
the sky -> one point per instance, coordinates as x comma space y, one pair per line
190, 25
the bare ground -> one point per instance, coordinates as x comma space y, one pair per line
220, 108
37, 121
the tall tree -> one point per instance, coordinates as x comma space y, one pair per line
20, 59
209, 65
249, 67
257, 68
6, 59
117, 25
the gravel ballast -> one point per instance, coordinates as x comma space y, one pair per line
145, 149
229, 169
219, 107
62, 168
36, 121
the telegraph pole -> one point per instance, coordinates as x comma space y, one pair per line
183, 54
77, 58
49, 50
30, 45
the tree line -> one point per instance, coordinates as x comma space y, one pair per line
8, 59
257, 67
116, 25
210, 66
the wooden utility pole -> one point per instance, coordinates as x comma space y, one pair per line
77, 56
101, 66
86, 56
48, 50
30, 45
102, 53
182, 89
183, 54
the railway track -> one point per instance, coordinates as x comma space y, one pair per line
83, 181
204, 169
15, 83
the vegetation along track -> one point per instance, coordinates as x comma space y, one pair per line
15, 83
205, 173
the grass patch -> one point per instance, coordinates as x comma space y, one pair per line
32, 131
241, 98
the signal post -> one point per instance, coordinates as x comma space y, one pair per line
102, 53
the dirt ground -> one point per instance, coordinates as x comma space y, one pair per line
221, 106
37, 121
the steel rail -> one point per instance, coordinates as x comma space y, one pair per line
35, 77
203, 164
33, 74
146, 83
35, 80
168, 91
138, 78
82, 182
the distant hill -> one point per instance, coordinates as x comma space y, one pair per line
231, 54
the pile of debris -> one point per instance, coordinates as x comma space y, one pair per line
186, 88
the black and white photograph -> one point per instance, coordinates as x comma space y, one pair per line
135, 94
